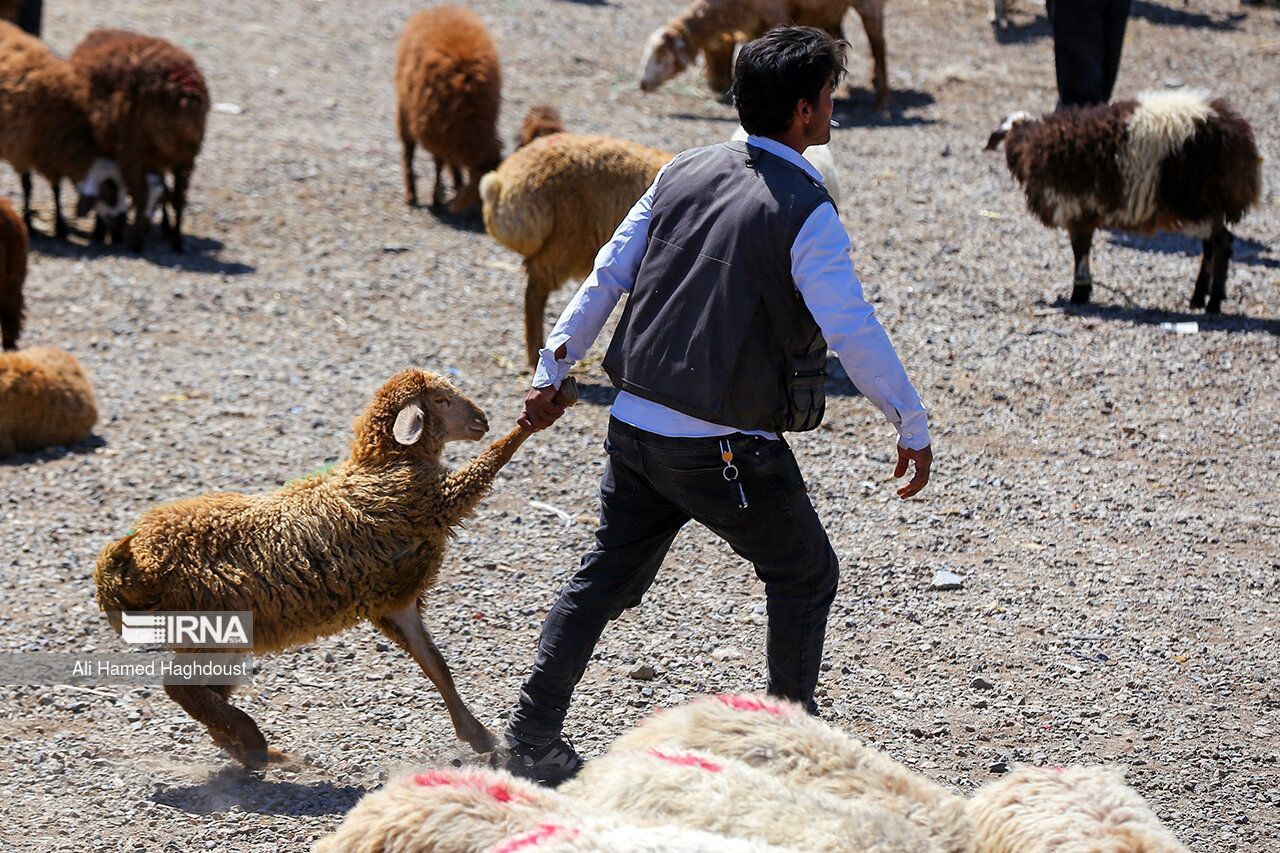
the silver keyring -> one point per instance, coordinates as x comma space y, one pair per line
730, 476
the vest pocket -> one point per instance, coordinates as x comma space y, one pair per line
807, 395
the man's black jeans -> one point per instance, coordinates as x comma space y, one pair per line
1088, 36
652, 486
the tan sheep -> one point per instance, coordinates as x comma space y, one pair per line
148, 104
363, 542
46, 399
475, 810
448, 90
714, 27
780, 738
555, 202
44, 124
1060, 809
13, 273
722, 795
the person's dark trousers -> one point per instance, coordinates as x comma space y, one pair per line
652, 486
29, 15
1088, 37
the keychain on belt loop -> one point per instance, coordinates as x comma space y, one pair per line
730, 471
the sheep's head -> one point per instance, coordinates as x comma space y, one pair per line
993, 141
102, 189
666, 54
541, 120
416, 413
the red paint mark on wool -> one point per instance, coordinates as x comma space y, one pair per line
534, 837
499, 791
188, 78
742, 703
686, 759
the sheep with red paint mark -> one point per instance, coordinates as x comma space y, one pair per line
474, 810
780, 738
702, 791
1166, 161
1043, 809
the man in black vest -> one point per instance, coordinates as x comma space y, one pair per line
738, 277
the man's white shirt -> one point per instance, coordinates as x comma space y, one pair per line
822, 267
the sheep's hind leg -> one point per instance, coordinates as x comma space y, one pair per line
404, 627
25, 178
1082, 282
437, 192
1202, 279
60, 229
232, 729
181, 178
1222, 250
407, 146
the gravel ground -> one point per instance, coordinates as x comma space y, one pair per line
1104, 486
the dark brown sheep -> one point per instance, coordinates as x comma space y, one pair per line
148, 104
448, 90
1168, 161
13, 272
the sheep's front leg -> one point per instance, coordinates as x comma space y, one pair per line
60, 229
1082, 284
1202, 279
437, 192
872, 14
232, 729
407, 147
467, 486
1222, 250
181, 177
404, 627
25, 178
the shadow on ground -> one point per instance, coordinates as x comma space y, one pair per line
1131, 313
857, 108
199, 257
1175, 17
234, 787
87, 447
1247, 251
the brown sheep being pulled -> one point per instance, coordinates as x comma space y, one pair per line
363, 542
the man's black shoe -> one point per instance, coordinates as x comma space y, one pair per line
548, 764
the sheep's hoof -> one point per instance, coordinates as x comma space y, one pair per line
1081, 292
1197, 301
1214, 307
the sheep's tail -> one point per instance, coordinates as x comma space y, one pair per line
516, 219
1242, 164
116, 576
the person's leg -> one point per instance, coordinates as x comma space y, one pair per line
779, 532
29, 15
637, 526
1115, 18
1078, 47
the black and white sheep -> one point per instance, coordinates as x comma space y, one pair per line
1167, 161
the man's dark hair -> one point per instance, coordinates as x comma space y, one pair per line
777, 70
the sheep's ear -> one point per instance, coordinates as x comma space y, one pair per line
993, 141
409, 423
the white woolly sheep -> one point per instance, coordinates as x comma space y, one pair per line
1058, 809
475, 810
779, 737
714, 27
1168, 161
46, 399
448, 90
362, 542
148, 104
46, 124
722, 795
556, 201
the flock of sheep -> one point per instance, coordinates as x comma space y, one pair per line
748, 774
124, 120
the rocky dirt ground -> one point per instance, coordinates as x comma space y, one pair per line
1105, 486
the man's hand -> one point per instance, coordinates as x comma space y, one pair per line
540, 411
924, 461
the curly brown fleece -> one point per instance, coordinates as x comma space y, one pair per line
44, 119
148, 105
13, 272
448, 91
46, 399
320, 555
556, 201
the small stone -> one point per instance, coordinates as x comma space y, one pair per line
945, 580
981, 684
644, 672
